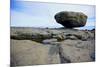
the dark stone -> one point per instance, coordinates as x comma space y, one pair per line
93, 56
71, 19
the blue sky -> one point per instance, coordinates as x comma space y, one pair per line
38, 14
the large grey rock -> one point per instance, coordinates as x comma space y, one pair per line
71, 19
26, 52
77, 50
41, 35
56, 46
29, 34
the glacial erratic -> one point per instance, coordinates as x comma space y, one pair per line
71, 19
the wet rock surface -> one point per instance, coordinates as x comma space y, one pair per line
35, 46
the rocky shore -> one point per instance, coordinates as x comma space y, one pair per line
35, 46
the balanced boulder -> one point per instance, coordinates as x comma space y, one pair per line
71, 19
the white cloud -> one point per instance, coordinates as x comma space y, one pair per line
52, 8
90, 2
90, 24
42, 14
22, 19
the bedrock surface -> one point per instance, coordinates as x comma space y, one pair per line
35, 46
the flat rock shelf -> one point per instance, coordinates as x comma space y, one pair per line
35, 46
